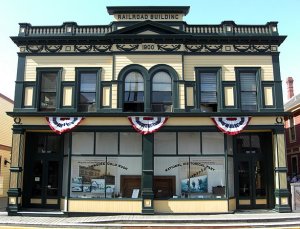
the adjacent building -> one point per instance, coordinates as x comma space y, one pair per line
6, 122
292, 129
148, 114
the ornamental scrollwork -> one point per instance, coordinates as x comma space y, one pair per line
213, 48
82, 48
53, 48
127, 47
102, 48
169, 48
262, 48
34, 48
242, 48
194, 48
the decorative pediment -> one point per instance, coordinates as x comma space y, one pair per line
148, 28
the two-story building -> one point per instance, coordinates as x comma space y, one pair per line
292, 129
6, 122
148, 115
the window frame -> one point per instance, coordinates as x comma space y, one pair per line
39, 73
257, 72
98, 90
217, 71
292, 128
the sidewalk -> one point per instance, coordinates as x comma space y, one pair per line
243, 219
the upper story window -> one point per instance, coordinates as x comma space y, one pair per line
207, 81
134, 92
48, 90
88, 89
248, 91
292, 129
161, 92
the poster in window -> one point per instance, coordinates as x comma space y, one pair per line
76, 185
98, 186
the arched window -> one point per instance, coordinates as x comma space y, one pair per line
161, 92
134, 92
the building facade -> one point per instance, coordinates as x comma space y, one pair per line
292, 130
148, 115
6, 122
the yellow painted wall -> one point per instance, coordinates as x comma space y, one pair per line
4, 173
228, 63
68, 63
107, 206
123, 121
189, 206
148, 61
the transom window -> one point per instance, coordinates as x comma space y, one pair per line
48, 91
161, 92
87, 94
134, 92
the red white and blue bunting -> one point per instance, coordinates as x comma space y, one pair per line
63, 124
147, 125
231, 125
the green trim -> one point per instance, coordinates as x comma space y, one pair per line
71, 108
19, 85
277, 81
233, 108
147, 9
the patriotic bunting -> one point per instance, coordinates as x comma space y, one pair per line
231, 125
63, 124
147, 125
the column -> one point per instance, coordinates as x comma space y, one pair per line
280, 168
16, 170
147, 174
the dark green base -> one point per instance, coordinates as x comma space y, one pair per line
283, 208
148, 211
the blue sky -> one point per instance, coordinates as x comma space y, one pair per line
93, 12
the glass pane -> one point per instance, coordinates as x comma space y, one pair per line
209, 97
133, 96
37, 179
244, 178
255, 144
87, 98
134, 86
260, 185
88, 82
189, 143
48, 82
230, 176
53, 144
248, 81
48, 100
82, 143
161, 87
53, 177
161, 96
212, 143
134, 77
130, 143
41, 145
164, 143
106, 143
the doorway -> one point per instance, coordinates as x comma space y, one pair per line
42, 171
253, 175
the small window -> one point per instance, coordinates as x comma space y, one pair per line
292, 129
134, 92
48, 91
87, 94
161, 92
248, 91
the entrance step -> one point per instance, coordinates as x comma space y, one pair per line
37, 212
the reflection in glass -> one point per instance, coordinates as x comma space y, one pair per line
244, 178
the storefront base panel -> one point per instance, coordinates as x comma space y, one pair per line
190, 206
232, 204
105, 206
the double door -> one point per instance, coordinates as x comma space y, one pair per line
43, 172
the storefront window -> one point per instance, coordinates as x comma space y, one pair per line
83, 143
195, 177
130, 143
100, 177
107, 143
189, 143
